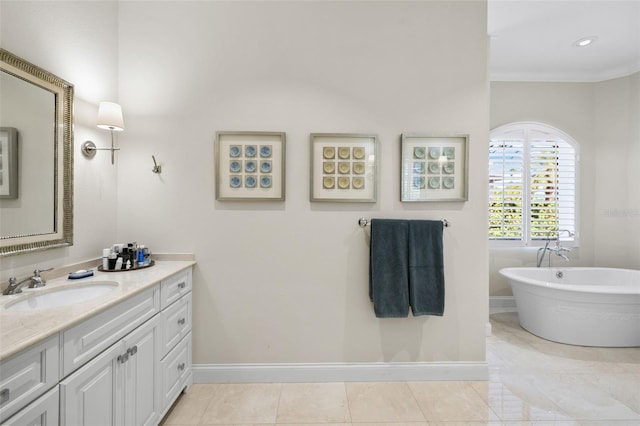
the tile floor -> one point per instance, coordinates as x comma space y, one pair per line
532, 382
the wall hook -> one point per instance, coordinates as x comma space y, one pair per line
156, 167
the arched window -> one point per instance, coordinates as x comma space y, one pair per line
533, 184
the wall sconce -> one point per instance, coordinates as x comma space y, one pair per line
109, 118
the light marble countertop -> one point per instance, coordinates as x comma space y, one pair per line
21, 329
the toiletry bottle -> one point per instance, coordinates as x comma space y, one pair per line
147, 256
134, 256
141, 255
125, 255
105, 258
112, 259
119, 263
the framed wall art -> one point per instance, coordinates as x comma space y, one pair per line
344, 167
250, 165
434, 168
8, 162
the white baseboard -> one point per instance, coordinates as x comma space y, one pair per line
498, 304
339, 372
488, 329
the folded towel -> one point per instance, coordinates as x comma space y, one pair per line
426, 267
388, 268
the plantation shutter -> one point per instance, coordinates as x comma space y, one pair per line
532, 184
506, 186
552, 185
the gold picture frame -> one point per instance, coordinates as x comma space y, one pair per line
344, 167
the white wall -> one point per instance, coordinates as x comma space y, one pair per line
602, 118
275, 281
287, 281
617, 197
77, 41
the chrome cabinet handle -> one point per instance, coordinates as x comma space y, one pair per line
123, 358
182, 321
133, 350
181, 366
5, 395
182, 284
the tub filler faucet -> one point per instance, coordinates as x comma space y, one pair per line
558, 249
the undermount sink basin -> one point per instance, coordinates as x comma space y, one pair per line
62, 296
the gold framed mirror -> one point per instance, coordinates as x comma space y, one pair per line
36, 213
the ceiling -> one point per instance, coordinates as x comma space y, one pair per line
533, 40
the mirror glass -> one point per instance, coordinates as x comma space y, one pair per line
35, 158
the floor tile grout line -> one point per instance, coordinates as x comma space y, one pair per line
346, 398
209, 402
415, 398
275, 419
487, 403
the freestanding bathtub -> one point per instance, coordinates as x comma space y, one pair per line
579, 306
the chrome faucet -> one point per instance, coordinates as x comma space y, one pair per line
33, 281
558, 249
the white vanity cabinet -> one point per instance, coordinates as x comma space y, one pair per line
125, 365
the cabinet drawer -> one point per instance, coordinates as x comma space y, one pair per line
27, 375
175, 369
41, 412
176, 322
87, 339
176, 286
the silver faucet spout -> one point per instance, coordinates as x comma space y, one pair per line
558, 249
569, 233
15, 287
33, 281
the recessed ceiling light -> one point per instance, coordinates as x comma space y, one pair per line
585, 41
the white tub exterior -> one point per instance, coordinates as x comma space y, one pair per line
579, 306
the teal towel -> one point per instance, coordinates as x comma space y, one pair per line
426, 267
389, 267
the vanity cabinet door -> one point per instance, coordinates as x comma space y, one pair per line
91, 395
141, 381
119, 387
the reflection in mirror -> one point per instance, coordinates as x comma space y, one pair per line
36, 166
30, 111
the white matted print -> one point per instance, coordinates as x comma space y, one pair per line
250, 165
344, 167
434, 168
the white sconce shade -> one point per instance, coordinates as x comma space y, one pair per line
110, 116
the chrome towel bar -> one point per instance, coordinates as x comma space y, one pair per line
363, 223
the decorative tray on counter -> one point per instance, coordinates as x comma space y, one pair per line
100, 268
